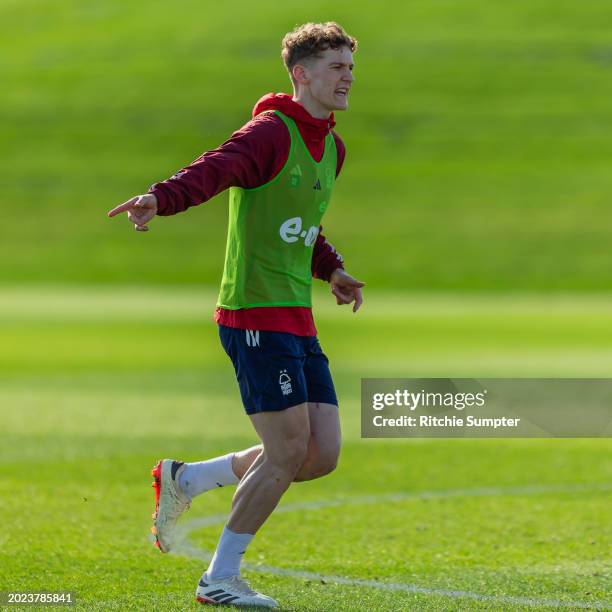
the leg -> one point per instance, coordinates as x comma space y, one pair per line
323, 445
201, 476
285, 436
325, 438
270, 372
177, 483
321, 457
243, 460
324, 442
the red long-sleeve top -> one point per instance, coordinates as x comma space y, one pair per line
252, 157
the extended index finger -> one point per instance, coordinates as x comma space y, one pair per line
123, 207
358, 300
355, 283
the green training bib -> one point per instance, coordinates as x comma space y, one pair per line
273, 228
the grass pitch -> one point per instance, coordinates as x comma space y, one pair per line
97, 384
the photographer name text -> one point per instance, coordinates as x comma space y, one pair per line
413, 401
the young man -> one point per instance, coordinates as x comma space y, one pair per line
280, 168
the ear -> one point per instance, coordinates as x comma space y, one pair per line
300, 74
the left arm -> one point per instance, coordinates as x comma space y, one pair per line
328, 264
325, 258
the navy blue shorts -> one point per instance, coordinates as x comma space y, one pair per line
276, 370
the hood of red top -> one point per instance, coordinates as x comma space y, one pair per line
286, 105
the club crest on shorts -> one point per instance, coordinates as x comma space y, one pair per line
284, 380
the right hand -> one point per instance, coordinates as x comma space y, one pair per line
140, 209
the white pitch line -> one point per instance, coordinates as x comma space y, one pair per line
185, 548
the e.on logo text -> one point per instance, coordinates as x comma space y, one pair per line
291, 230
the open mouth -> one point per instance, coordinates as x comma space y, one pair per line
341, 92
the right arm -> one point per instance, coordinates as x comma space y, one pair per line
251, 157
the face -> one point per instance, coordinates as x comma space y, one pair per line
329, 78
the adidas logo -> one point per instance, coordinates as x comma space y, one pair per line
252, 337
296, 175
214, 596
317, 185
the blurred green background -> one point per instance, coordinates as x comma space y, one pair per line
479, 137
473, 201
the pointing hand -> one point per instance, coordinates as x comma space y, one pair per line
140, 209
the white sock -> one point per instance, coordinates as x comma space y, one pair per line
228, 556
205, 475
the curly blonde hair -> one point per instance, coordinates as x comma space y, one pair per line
309, 39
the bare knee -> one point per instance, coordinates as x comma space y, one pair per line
325, 464
319, 462
288, 458
296, 453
